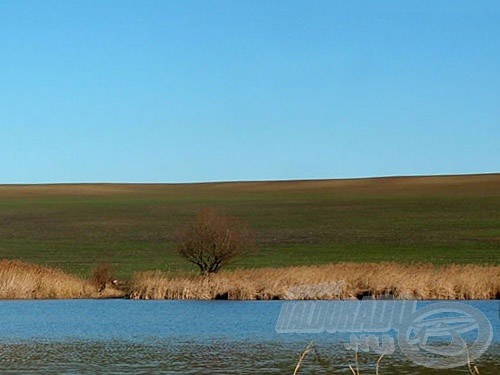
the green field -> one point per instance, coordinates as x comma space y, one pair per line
405, 219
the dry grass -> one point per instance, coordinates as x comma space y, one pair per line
335, 281
20, 280
311, 347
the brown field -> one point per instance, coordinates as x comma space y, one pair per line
400, 185
334, 281
20, 280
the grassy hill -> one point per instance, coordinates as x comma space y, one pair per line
440, 219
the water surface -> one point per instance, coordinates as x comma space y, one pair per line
179, 337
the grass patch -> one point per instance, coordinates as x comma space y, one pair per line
442, 220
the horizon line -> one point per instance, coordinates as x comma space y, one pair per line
253, 181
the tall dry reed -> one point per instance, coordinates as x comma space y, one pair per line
334, 281
20, 280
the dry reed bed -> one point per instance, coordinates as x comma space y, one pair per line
335, 281
20, 280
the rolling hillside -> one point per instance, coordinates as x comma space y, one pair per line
443, 219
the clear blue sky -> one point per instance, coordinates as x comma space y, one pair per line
174, 91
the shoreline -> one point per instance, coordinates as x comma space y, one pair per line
339, 281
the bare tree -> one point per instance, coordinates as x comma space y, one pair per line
213, 240
102, 275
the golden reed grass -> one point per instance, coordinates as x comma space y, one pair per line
20, 280
334, 281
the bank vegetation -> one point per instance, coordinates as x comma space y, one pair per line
19, 280
333, 281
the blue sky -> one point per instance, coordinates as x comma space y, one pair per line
176, 91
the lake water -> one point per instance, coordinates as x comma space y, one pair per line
185, 337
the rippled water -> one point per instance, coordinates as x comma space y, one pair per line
182, 337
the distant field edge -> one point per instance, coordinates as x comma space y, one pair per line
291, 180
